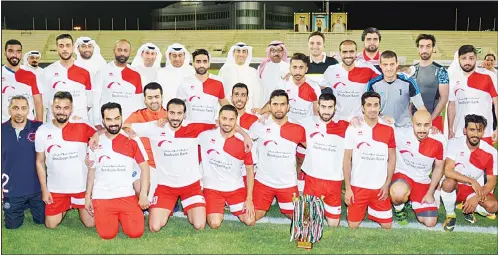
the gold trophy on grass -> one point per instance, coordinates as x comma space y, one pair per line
308, 220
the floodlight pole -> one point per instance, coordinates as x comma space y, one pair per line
46, 25
85, 25
138, 23
479, 23
112, 24
59, 23
125, 24
468, 23
99, 22
33, 23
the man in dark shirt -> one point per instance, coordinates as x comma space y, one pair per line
319, 61
20, 185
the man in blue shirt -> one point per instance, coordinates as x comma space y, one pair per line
20, 185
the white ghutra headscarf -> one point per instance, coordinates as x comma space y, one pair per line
139, 61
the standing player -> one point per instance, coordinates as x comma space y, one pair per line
175, 148
277, 141
369, 162
153, 94
397, 91
20, 185
319, 61
325, 138
432, 80
467, 162
67, 75
60, 162
110, 197
203, 92
223, 156
147, 62
119, 83
176, 70
349, 80
472, 91
416, 153
371, 38
17, 81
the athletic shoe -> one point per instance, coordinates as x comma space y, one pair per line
470, 217
459, 206
490, 216
401, 217
449, 223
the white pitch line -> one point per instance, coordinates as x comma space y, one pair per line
411, 225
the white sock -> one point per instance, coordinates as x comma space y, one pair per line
481, 210
449, 200
437, 197
399, 207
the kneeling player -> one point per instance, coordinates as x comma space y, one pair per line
223, 155
110, 196
324, 157
467, 162
369, 162
416, 152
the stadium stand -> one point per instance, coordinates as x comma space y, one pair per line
218, 42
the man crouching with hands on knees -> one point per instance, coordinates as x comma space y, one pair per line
110, 196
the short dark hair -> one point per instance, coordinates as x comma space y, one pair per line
464, 49
177, 101
229, 107
64, 36
12, 42
279, 93
200, 52
477, 119
240, 85
18, 97
388, 54
327, 97
370, 30
300, 56
348, 42
63, 95
153, 86
109, 106
490, 54
426, 37
317, 33
369, 94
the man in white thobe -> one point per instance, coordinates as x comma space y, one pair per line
273, 69
147, 62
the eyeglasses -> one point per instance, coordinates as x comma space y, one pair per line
275, 51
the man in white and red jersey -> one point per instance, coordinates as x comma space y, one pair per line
175, 149
222, 156
472, 91
110, 197
349, 80
371, 38
203, 92
67, 75
468, 161
154, 110
277, 141
60, 162
416, 152
240, 94
324, 157
369, 162
118, 83
18, 81
303, 95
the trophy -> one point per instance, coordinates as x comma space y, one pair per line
308, 220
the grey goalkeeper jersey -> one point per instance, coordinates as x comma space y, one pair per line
396, 96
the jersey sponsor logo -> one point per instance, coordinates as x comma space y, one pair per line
193, 97
362, 143
292, 99
160, 143
49, 149
459, 89
339, 83
406, 151
212, 150
112, 83
316, 133
269, 141
31, 137
57, 83
6, 87
103, 157
6, 206
459, 164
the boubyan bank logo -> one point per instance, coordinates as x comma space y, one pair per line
51, 147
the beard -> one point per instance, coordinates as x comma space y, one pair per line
122, 59
468, 68
201, 70
175, 123
65, 58
227, 128
155, 106
86, 55
61, 119
472, 143
298, 77
348, 61
34, 64
19, 119
425, 56
372, 48
278, 115
239, 105
326, 117
113, 129
13, 61
276, 59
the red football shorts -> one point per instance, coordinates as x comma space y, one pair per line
263, 197
417, 193
191, 195
331, 190
109, 213
63, 202
215, 201
378, 210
